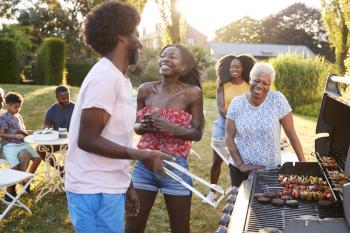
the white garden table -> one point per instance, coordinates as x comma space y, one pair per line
53, 177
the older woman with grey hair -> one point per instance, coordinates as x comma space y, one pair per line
253, 126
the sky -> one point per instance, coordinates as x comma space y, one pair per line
209, 15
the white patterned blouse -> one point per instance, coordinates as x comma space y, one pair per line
258, 128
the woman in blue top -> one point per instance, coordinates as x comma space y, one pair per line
253, 126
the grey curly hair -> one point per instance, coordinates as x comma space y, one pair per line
262, 68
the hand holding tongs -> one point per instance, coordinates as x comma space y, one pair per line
215, 187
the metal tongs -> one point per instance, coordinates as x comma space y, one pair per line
270, 188
215, 187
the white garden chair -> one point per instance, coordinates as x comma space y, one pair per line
3, 163
10, 177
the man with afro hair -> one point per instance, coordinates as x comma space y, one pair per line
97, 179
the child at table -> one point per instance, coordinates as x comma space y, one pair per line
12, 130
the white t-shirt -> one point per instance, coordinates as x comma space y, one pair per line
258, 128
104, 87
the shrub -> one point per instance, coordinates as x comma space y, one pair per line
301, 79
209, 89
309, 110
50, 62
210, 73
23, 42
202, 56
137, 72
77, 71
151, 71
8, 62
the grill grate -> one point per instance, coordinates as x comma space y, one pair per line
266, 215
340, 168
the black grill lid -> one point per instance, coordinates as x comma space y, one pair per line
333, 125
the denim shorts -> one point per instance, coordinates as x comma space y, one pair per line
145, 179
219, 127
99, 212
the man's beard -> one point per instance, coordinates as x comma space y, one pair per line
134, 57
63, 103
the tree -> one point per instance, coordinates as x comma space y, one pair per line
47, 18
8, 8
202, 56
51, 18
22, 40
82, 7
245, 30
345, 4
171, 18
338, 33
297, 24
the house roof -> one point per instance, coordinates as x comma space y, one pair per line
259, 50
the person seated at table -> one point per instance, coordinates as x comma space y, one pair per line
2, 111
2, 100
12, 130
58, 116
23, 156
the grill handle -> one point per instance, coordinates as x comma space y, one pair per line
347, 164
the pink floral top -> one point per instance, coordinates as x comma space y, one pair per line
163, 141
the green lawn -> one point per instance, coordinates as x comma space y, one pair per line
50, 214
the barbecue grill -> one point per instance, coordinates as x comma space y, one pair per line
333, 142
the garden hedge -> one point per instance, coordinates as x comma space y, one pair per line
302, 80
76, 72
8, 62
50, 62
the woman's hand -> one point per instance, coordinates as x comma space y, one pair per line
146, 125
161, 124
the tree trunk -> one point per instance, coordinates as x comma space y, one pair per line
175, 23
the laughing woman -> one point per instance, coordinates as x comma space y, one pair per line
253, 126
170, 116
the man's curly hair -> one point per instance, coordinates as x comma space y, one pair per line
106, 22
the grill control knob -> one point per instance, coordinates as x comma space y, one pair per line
225, 220
231, 199
228, 209
234, 190
221, 229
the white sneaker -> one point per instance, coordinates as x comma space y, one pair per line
210, 198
